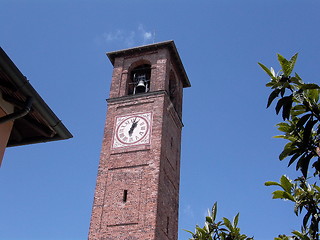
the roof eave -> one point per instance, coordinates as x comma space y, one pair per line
38, 103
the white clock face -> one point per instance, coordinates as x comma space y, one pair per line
132, 130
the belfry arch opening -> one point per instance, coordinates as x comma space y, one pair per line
173, 91
139, 80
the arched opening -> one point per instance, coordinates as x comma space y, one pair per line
139, 81
173, 89
175, 92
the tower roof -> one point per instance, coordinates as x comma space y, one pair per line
151, 47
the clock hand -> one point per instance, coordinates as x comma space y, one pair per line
133, 126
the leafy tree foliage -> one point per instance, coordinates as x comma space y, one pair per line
298, 103
222, 230
305, 197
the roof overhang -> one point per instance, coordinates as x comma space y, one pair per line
40, 124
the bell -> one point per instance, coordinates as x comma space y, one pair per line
141, 87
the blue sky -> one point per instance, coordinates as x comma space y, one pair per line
227, 146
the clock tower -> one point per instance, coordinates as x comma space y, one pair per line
137, 189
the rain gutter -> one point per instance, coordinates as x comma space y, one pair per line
25, 87
19, 114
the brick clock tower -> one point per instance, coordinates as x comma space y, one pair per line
137, 189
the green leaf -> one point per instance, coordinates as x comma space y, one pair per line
286, 184
303, 120
287, 108
317, 188
297, 209
295, 113
306, 218
227, 223
270, 84
282, 91
285, 65
270, 183
286, 103
303, 163
316, 95
267, 70
294, 157
300, 161
296, 80
285, 153
209, 219
282, 195
293, 62
188, 231
284, 127
200, 230
279, 106
299, 107
310, 86
313, 94
299, 234
280, 136
307, 131
214, 211
272, 96
278, 194
236, 220
206, 227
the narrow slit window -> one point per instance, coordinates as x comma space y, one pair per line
167, 225
125, 196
